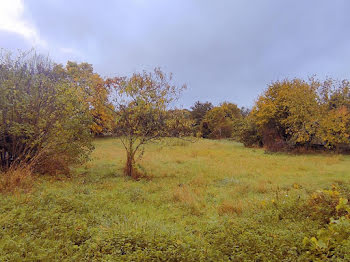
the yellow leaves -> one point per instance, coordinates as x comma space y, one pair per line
296, 186
141, 105
335, 126
94, 93
179, 242
343, 205
295, 109
221, 121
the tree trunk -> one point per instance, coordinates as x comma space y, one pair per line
130, 169
129, 166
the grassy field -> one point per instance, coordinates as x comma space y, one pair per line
203, 201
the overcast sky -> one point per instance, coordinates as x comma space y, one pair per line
224, 50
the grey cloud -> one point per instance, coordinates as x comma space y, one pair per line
224, 50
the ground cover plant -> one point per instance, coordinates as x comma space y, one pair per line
213, 200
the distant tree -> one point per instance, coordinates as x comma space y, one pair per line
249, 134
245, 111
198, 111
41, 115
141, 102
216, 124
222, 122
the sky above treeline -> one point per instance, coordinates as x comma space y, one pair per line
224, 50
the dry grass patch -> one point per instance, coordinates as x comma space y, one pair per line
194, 154
16, 179
231, 207
261, 187
199, 181
188, 198
241, 189
333, 160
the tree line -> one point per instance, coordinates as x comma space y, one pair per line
290, 115
49, 114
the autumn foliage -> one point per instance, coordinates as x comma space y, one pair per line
222, 121
42, 118
49, 114
141, 104
312, 114
95, 94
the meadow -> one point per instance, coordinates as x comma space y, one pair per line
211, 200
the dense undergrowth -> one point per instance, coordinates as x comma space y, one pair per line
204, 201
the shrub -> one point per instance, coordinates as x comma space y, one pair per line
249, 134
322, 204
295, 114
198, 111
287, 113
333, 242
334, 128
42, 116
141, 103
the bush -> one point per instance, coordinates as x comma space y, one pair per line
333, 242
322, 204
295, 114
287, 113
42, 116
249, 135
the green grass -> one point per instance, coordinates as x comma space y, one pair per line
205, 201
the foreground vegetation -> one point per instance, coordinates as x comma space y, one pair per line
203, 201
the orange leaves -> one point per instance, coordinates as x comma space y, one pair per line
95, 93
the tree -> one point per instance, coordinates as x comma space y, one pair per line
141, 102
288, 113
95, 94
335, 128
198, 111
222, 122
41, 114
245, 111
335, 121
249, 134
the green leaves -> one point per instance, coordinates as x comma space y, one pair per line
330, 240
140, 106
42, 116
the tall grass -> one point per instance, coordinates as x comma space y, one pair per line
16, 179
